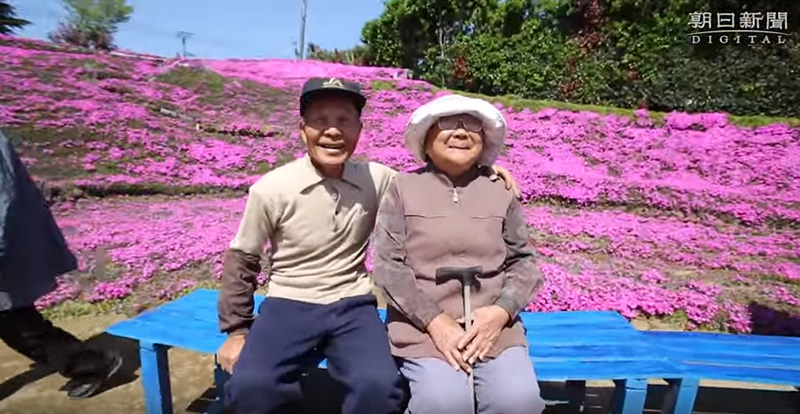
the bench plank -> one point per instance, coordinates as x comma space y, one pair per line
726, 344
593, 352
607, 337
576, 319
572, 346
775, 376
731, 357
574, 369
740, 359
728, 357
198, 331
725, 339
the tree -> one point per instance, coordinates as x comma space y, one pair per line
354, 56
625, 53
417, 34
92, 23
8, 19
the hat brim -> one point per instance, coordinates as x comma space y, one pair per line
358, 99
494, 124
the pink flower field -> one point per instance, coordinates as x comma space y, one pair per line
687, 218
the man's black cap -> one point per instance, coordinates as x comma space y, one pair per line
315, 87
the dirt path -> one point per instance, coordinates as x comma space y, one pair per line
27, 391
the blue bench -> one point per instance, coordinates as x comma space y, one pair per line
717, 356
565, 346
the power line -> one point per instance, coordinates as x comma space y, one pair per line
183, 36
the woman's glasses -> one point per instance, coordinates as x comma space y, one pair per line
452, 122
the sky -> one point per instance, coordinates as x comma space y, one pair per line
238, 29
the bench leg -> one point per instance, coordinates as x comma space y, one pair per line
576, 395
155, 378
629, 396
680, 396
220, 378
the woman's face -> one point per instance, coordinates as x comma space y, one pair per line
454, 143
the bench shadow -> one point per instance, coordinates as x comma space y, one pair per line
710, 400
729, 400
203, 403
321, 395
324, 395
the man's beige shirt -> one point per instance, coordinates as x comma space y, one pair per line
318, 228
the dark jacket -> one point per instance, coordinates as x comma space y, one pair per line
33, 251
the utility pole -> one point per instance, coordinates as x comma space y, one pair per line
183, 36
302, 45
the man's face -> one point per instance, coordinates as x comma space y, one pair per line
330, 128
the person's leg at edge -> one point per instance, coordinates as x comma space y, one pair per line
435, 387
359, 357
277, 349
507, 384
31, 334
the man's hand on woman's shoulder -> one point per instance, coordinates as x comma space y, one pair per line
510, 182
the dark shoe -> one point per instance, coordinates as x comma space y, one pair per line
85, 387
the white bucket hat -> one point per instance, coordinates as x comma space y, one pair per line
494, 125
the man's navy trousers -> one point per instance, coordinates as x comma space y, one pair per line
289, 337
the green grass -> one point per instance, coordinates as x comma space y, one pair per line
206, 83
217, 90
77, 308
194, 79
380, 85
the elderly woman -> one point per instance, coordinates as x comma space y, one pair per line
450, 214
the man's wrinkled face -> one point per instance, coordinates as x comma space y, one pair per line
330, 128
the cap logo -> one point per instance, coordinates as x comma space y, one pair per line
332, 83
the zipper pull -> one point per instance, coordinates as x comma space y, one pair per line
455, 195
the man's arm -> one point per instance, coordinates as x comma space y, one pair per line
522, 276
391, 272
242, 265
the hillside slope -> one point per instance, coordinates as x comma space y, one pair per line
691, 218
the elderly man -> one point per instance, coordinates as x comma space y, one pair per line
33, 253
317, 213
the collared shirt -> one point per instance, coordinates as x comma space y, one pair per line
318, 229
426, 221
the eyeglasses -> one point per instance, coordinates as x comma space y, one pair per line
470, 124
